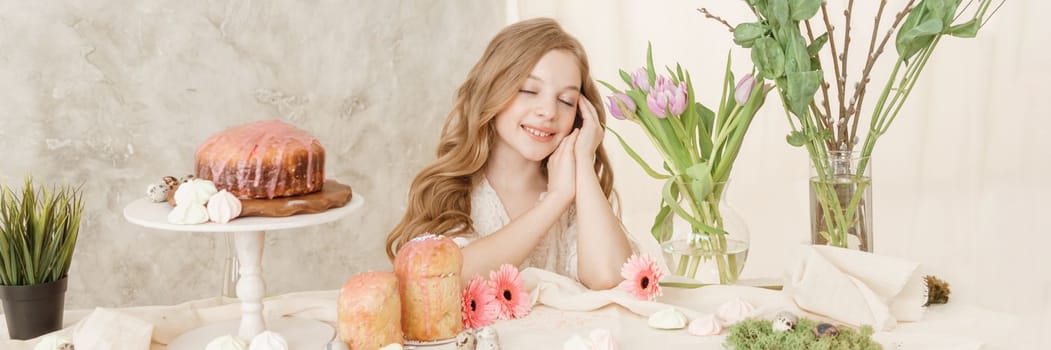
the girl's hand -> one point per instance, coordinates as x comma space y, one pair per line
591, 133
561, 169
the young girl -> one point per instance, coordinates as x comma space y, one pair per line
521, 176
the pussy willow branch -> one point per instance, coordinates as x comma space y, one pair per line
717, 18
823, 118
840, 83
844, 118
859, 94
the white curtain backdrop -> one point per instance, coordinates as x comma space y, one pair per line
961, 180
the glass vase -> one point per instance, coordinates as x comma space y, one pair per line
841, 200
706, 257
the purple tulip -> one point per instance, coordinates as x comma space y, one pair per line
678, 105
666, 98
641, 80
614, 110
744, 88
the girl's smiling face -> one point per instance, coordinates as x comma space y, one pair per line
543, 110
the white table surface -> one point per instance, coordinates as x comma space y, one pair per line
951, 326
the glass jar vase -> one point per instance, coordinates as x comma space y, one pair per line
841, 200
708, 258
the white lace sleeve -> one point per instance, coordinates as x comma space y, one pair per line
570, 263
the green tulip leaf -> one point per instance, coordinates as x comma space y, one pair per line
707, 117
626, 78
699, 178
678, 210
638, 159
608, 86
650, 73
671, 74
662, 230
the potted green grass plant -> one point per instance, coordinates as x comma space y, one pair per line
38, 231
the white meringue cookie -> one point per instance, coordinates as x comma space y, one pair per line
226, 342
195, 191
268, 340
733, 311
576, 342
705, 325
223, 207
670, 318
601, 339
189, 214
54, 342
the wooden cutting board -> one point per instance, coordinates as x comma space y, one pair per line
332, 195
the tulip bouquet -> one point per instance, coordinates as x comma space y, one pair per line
788, 50
698, 147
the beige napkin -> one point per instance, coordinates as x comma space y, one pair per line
107, 329
857, 288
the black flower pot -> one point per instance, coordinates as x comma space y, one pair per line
34, 310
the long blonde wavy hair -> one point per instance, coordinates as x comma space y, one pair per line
440, 195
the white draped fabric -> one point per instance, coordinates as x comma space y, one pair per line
960, 180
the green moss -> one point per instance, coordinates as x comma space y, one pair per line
756, 334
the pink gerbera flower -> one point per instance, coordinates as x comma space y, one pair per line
511, 296
641, 275
479, 303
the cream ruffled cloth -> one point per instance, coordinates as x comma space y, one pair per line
857, 288
948, 329
564, 308
848, 286
156, 326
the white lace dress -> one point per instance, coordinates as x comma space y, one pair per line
556, 252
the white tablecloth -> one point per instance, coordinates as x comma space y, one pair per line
950, 326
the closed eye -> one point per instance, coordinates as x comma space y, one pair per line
567, 103
527, 92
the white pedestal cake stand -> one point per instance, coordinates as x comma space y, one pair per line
249, 233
